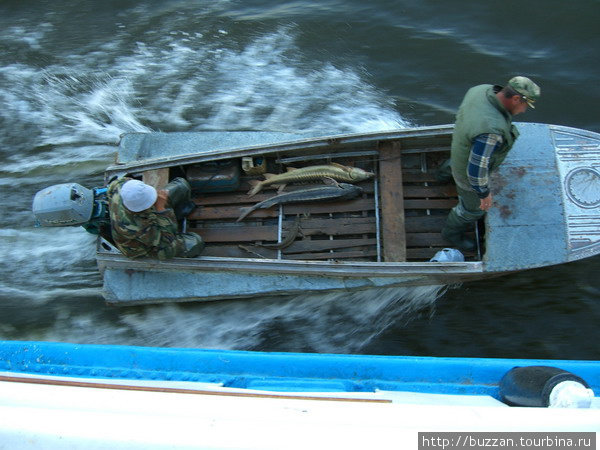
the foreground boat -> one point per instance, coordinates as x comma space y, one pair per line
92, 396
546, 212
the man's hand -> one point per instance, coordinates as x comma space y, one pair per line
161, 200
486, 203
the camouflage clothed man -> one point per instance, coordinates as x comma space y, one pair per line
152, 232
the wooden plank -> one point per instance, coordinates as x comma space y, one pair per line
237, 234
227, 212
156, 177
423, 224
443, 191
337, 227
429, 203
308, 227
334, 255
255, 251
241, 197
422, 254
425, 240
233, 212
425, 254
391, 189
412, 176
319, 245
360, 204
231, 198
361, 225
234, 251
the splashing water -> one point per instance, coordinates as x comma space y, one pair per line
329, 323
60, 119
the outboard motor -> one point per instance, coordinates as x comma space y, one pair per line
71, 204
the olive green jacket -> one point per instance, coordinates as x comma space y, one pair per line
480, 113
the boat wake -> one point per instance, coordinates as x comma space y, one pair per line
326, 323
47, 264
196, 76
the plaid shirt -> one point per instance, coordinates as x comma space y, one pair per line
479, 159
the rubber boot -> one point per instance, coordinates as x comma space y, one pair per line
179, 194
192, 245
454, 232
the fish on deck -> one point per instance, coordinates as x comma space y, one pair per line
289, 238
335, 171
338, 191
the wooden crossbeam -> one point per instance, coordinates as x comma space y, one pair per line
392, 202
156, 177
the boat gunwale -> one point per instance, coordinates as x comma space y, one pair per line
294, 267
280, 147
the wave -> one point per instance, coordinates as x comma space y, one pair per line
46, 263
330, 323
63, 121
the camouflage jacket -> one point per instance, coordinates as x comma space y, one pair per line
147, 233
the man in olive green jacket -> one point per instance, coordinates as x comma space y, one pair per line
483, 136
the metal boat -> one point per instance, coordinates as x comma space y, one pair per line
546, 193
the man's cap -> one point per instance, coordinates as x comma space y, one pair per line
138, 196
527, 88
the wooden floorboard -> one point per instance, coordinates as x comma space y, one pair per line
304, 246
237, 234
356, 254
441, 191
425, 224
333, 230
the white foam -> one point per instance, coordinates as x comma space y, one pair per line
330, 323
262, 87
44, 263
179, 81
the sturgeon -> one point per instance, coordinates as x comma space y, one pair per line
339, 191
334, 170
289, 238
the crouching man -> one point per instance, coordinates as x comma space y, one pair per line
143, 220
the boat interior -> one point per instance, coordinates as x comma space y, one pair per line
398, 217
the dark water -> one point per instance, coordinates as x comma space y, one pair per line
75, 75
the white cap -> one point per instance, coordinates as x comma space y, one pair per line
570, 394
138, 196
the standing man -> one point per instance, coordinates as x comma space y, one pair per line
483, 136
143, 220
